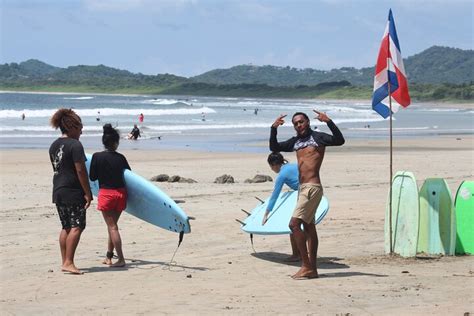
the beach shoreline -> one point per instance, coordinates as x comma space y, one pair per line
216, 269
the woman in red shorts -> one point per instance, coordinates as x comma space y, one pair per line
108, 167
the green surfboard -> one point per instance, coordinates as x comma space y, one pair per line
405, 214
464, 205
437, 234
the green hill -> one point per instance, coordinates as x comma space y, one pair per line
434, 65
28, 69
36, 75
441, 65
438, 73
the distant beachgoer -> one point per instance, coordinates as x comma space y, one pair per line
108, 166
287, 174
98, 116
310, 147
23, 116
135, 133
71, 191
141, 117
203, 116
255, 111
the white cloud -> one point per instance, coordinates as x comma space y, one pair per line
259, 12
126, 5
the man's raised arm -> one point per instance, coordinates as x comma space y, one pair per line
336, 139
275, 146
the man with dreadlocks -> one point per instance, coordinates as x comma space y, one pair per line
71, 190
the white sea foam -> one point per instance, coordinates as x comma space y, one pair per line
107, 112
166, 101
439, 110
78, 98
386, 128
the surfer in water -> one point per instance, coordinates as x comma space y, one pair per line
135, 133
287, 174
71, 191
108, 167
310, 147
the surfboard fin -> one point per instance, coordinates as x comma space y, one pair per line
248, 214
261, 201
240, 222
251, 242
181, 235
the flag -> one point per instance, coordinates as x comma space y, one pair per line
390, 69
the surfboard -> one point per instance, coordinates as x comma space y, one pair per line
437, 233
149, 203
279, 217
464, 206
405, 215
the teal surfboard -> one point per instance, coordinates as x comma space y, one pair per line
405, 215
149, 203
437, 234
464, 206
279, 218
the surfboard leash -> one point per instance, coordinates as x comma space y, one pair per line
173, 263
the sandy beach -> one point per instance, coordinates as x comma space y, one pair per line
216, 269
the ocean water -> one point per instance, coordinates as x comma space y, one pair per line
209, 123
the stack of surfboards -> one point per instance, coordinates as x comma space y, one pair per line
425, 221
149, 203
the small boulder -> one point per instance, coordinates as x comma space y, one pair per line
187, 180
259, 178
160, 178
174, 178
225, 178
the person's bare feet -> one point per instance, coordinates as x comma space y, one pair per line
107, 261
118, 264
292, 258
71, 269
305, 273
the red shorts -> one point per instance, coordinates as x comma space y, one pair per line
112, 199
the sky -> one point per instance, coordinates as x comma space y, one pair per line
190, 37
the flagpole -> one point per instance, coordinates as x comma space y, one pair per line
391, 167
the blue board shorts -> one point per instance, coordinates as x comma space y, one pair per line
73, 215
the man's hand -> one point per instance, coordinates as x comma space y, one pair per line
265, 218
322, 116
279, 121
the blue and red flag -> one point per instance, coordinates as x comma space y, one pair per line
390, 69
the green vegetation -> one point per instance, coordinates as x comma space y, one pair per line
438, 73
435, 65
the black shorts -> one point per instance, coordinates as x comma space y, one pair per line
73, 215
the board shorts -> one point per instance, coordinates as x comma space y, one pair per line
309, 197
73, 215
112, 199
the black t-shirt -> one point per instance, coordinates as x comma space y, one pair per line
63, 153
135, 132
108, 167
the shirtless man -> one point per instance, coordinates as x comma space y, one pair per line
310, 147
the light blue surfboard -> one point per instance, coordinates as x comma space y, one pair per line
149, 203
405, 215
437, 234
280, 216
